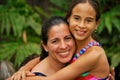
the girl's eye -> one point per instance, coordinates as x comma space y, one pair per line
89, 20
76, 18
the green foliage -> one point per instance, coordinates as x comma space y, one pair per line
16, 16
114, 54
18, 51
41, 11
110, 19
26, 50
61, 8
109, 29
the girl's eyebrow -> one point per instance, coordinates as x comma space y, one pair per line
90, 18
76, 16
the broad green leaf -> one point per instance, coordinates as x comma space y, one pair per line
26, 50
115, 59
41, 11
101, 25
108, 22
116, 22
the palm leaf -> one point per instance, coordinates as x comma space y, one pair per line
8, 50
115, 59
24, 51
108, 22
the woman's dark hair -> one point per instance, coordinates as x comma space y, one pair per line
56, 20
94, 3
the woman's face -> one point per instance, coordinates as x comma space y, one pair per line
60, 45
82, 21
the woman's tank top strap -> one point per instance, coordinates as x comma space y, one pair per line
39, 74
90, 44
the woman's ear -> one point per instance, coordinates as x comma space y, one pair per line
68, 20
44, 46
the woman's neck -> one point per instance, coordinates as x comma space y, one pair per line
53, 65
48, 66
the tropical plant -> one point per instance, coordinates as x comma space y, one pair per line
109, 29
61, 7
19, 31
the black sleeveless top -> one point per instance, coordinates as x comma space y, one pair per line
39, 74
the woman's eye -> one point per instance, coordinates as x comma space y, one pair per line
54, 42
68, 38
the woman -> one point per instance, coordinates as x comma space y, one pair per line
58, 47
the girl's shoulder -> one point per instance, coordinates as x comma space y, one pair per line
95, 52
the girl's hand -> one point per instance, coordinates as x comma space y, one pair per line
21, 75
112, 74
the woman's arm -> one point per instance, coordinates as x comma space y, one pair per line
32, 63
25, 70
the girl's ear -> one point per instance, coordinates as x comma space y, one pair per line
44, 46
97, 23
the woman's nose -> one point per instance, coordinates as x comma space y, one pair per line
63, 45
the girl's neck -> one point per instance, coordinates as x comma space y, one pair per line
82, 43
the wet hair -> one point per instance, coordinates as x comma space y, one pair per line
94, 3
46, 27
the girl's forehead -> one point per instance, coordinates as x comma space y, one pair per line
84, 8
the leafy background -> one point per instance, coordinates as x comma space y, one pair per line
21, 20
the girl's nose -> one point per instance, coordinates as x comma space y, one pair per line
81, 25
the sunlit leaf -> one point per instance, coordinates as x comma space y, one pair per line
115, 59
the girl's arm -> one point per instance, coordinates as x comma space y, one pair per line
82, 64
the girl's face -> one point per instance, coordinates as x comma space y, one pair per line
60, 45
82, 21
